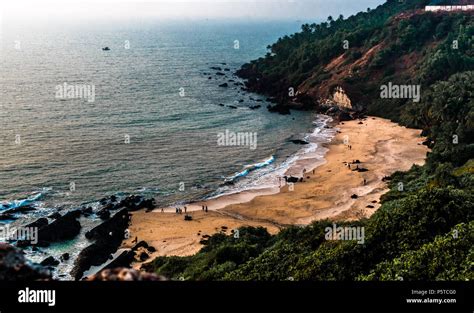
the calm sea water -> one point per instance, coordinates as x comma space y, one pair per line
157, 93
153, 126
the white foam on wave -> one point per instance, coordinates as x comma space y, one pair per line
308, 157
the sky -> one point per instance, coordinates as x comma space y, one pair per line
18, 10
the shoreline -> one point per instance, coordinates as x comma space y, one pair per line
309, 157
381, 146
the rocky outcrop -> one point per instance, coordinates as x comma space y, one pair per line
49, 261
63, 228
341, 99
107, 236
14, 266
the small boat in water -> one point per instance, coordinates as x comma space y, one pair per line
106, 49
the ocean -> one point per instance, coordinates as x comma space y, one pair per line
147, 120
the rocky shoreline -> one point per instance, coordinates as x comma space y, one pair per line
105, 239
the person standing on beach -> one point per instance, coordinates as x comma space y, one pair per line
185, 209
177, 210
206, 208
203, 207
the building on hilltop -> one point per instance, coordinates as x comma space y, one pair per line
450, 5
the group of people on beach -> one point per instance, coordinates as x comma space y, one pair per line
185, 209
180, 211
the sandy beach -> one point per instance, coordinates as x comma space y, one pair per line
347, 186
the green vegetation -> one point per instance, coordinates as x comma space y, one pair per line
424, 232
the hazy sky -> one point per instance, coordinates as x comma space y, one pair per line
103, 9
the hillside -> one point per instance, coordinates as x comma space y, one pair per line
424, 230
396, 42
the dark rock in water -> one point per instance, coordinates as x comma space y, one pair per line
220, 74
103, 214
232, 106
216, 68
106, 49
95, 254
221, 104
14, 266
134, 203
227, 69
109, 235
259, 100
144, 256
103, 201
49, 261
281, 109
124, 274
114, 228
241, 100
64, 228
224, 85
299, 142
41, 222
55, 215
21, 209
64, 257
188, 218
231, 80
7, 217
113, 198
86, 211
209, 77
354, 196
254, 107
